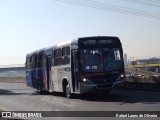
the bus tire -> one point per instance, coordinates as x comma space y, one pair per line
68, 91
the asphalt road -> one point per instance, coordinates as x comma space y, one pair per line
19, 97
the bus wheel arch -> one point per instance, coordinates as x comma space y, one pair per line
66, 88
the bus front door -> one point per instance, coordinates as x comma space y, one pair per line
48, 69
75, 81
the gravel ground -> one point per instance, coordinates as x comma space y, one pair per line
13, 79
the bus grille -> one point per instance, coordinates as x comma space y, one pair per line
104, 86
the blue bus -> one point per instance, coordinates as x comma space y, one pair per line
83, 65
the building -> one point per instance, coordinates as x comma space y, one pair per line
148, 61
125, 59
151, 64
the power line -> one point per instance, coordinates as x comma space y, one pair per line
112, 8
153, 1
144, 3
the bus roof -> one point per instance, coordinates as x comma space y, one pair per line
74, 41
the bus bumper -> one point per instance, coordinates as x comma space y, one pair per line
118, 82
89, 88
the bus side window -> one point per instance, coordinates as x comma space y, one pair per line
52, 59
66, 55
28, 62
41, 60
34, 61
57, 57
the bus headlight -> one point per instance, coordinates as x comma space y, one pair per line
86, 81
121, 77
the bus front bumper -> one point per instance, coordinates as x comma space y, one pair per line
89, 88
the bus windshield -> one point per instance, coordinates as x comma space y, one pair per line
91, 60
100, 59
112, 59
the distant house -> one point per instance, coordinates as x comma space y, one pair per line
152, 64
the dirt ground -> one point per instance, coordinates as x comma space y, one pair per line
13, 79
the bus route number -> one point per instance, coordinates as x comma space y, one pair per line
89, 42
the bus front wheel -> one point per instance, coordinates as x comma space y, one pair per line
39, 89
68, 91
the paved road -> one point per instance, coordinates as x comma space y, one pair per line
17, 96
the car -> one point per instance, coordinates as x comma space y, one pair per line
137, 74
155, 75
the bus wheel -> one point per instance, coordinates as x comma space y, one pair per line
68, 91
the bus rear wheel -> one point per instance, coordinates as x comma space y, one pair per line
38, 86
39, 89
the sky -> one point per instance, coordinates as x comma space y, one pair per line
28, 25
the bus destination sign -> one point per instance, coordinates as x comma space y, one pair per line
109, 41
94, 42
89, 42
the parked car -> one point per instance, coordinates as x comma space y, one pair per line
156, 75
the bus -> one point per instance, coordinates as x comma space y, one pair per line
83, 65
